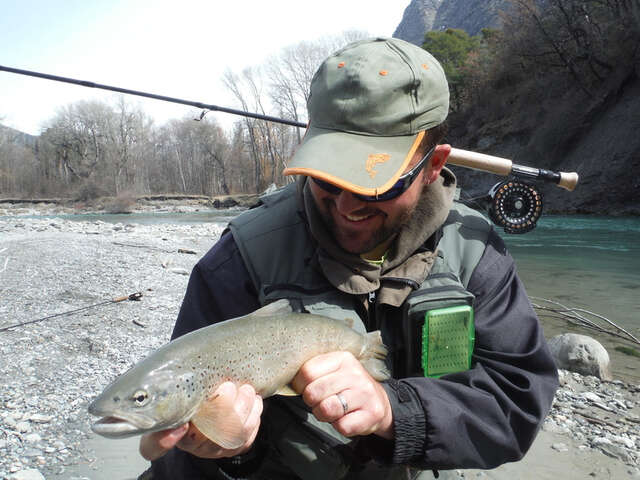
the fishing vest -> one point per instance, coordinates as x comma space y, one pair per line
278, 252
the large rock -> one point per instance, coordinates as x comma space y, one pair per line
581, 354
422, 16
28, 474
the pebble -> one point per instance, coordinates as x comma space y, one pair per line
39, 418
28, 474
601, 441
592, 397
560, 447
180, 271
33, 438
23, 427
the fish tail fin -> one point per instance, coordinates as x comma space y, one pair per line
373, 356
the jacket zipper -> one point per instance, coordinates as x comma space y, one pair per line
373, 320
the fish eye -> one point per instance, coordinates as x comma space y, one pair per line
140, 397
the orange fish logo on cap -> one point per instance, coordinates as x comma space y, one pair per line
373, 159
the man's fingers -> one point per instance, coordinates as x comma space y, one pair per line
316, 367
154, 445
360, 422
245, 398
331, 408
324, 387
246, 405
253, 420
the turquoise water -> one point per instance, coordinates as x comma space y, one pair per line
586, 262
144, 218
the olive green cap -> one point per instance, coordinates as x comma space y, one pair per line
370, 103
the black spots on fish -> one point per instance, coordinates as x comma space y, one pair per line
116, 399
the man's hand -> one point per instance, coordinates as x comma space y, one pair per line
246, 404
340, 391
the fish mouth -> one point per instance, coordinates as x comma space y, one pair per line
116, 427
118, 424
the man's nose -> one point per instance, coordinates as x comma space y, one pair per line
346, 202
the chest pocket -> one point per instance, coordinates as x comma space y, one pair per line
449, 331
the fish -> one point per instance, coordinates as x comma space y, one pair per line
176, 383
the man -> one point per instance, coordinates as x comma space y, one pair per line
371, 233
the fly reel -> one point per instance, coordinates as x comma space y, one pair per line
514, 206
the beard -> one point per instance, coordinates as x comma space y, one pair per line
354, 241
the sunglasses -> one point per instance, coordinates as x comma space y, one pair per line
401, 186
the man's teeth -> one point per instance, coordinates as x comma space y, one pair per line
357, 218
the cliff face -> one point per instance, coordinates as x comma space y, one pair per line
422, 16
418, 18
600, 143
598, 137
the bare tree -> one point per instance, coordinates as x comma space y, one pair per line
236, 85
586, 40
215, 150
290, 72
128, 135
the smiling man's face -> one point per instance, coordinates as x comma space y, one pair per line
358, 226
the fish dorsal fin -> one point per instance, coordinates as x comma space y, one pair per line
215, 423
287, 391
279, 307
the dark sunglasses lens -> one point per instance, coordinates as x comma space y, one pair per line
390, 194
326, 186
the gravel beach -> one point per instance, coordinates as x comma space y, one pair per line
51, 369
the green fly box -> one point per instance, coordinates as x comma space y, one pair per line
448, 336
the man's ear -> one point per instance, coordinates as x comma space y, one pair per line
437, 161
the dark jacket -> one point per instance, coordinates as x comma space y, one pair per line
480, 418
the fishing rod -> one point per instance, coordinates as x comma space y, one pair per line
515, 204
134, 297
164, 98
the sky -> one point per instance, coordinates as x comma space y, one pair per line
167, 47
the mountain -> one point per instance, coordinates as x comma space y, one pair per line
17, 137
422, 16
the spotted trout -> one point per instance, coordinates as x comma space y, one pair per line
175, 384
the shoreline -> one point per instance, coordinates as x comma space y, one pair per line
139, 203
48, 266
123, 205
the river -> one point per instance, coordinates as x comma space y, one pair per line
586, 262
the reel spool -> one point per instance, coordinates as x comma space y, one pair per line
514, 206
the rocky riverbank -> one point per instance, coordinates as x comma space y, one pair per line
124, 204
51, 369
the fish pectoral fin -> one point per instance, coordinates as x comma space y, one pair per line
287, 391
281, 306
376, 368
217, 422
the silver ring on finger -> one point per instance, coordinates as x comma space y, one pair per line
343, 402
